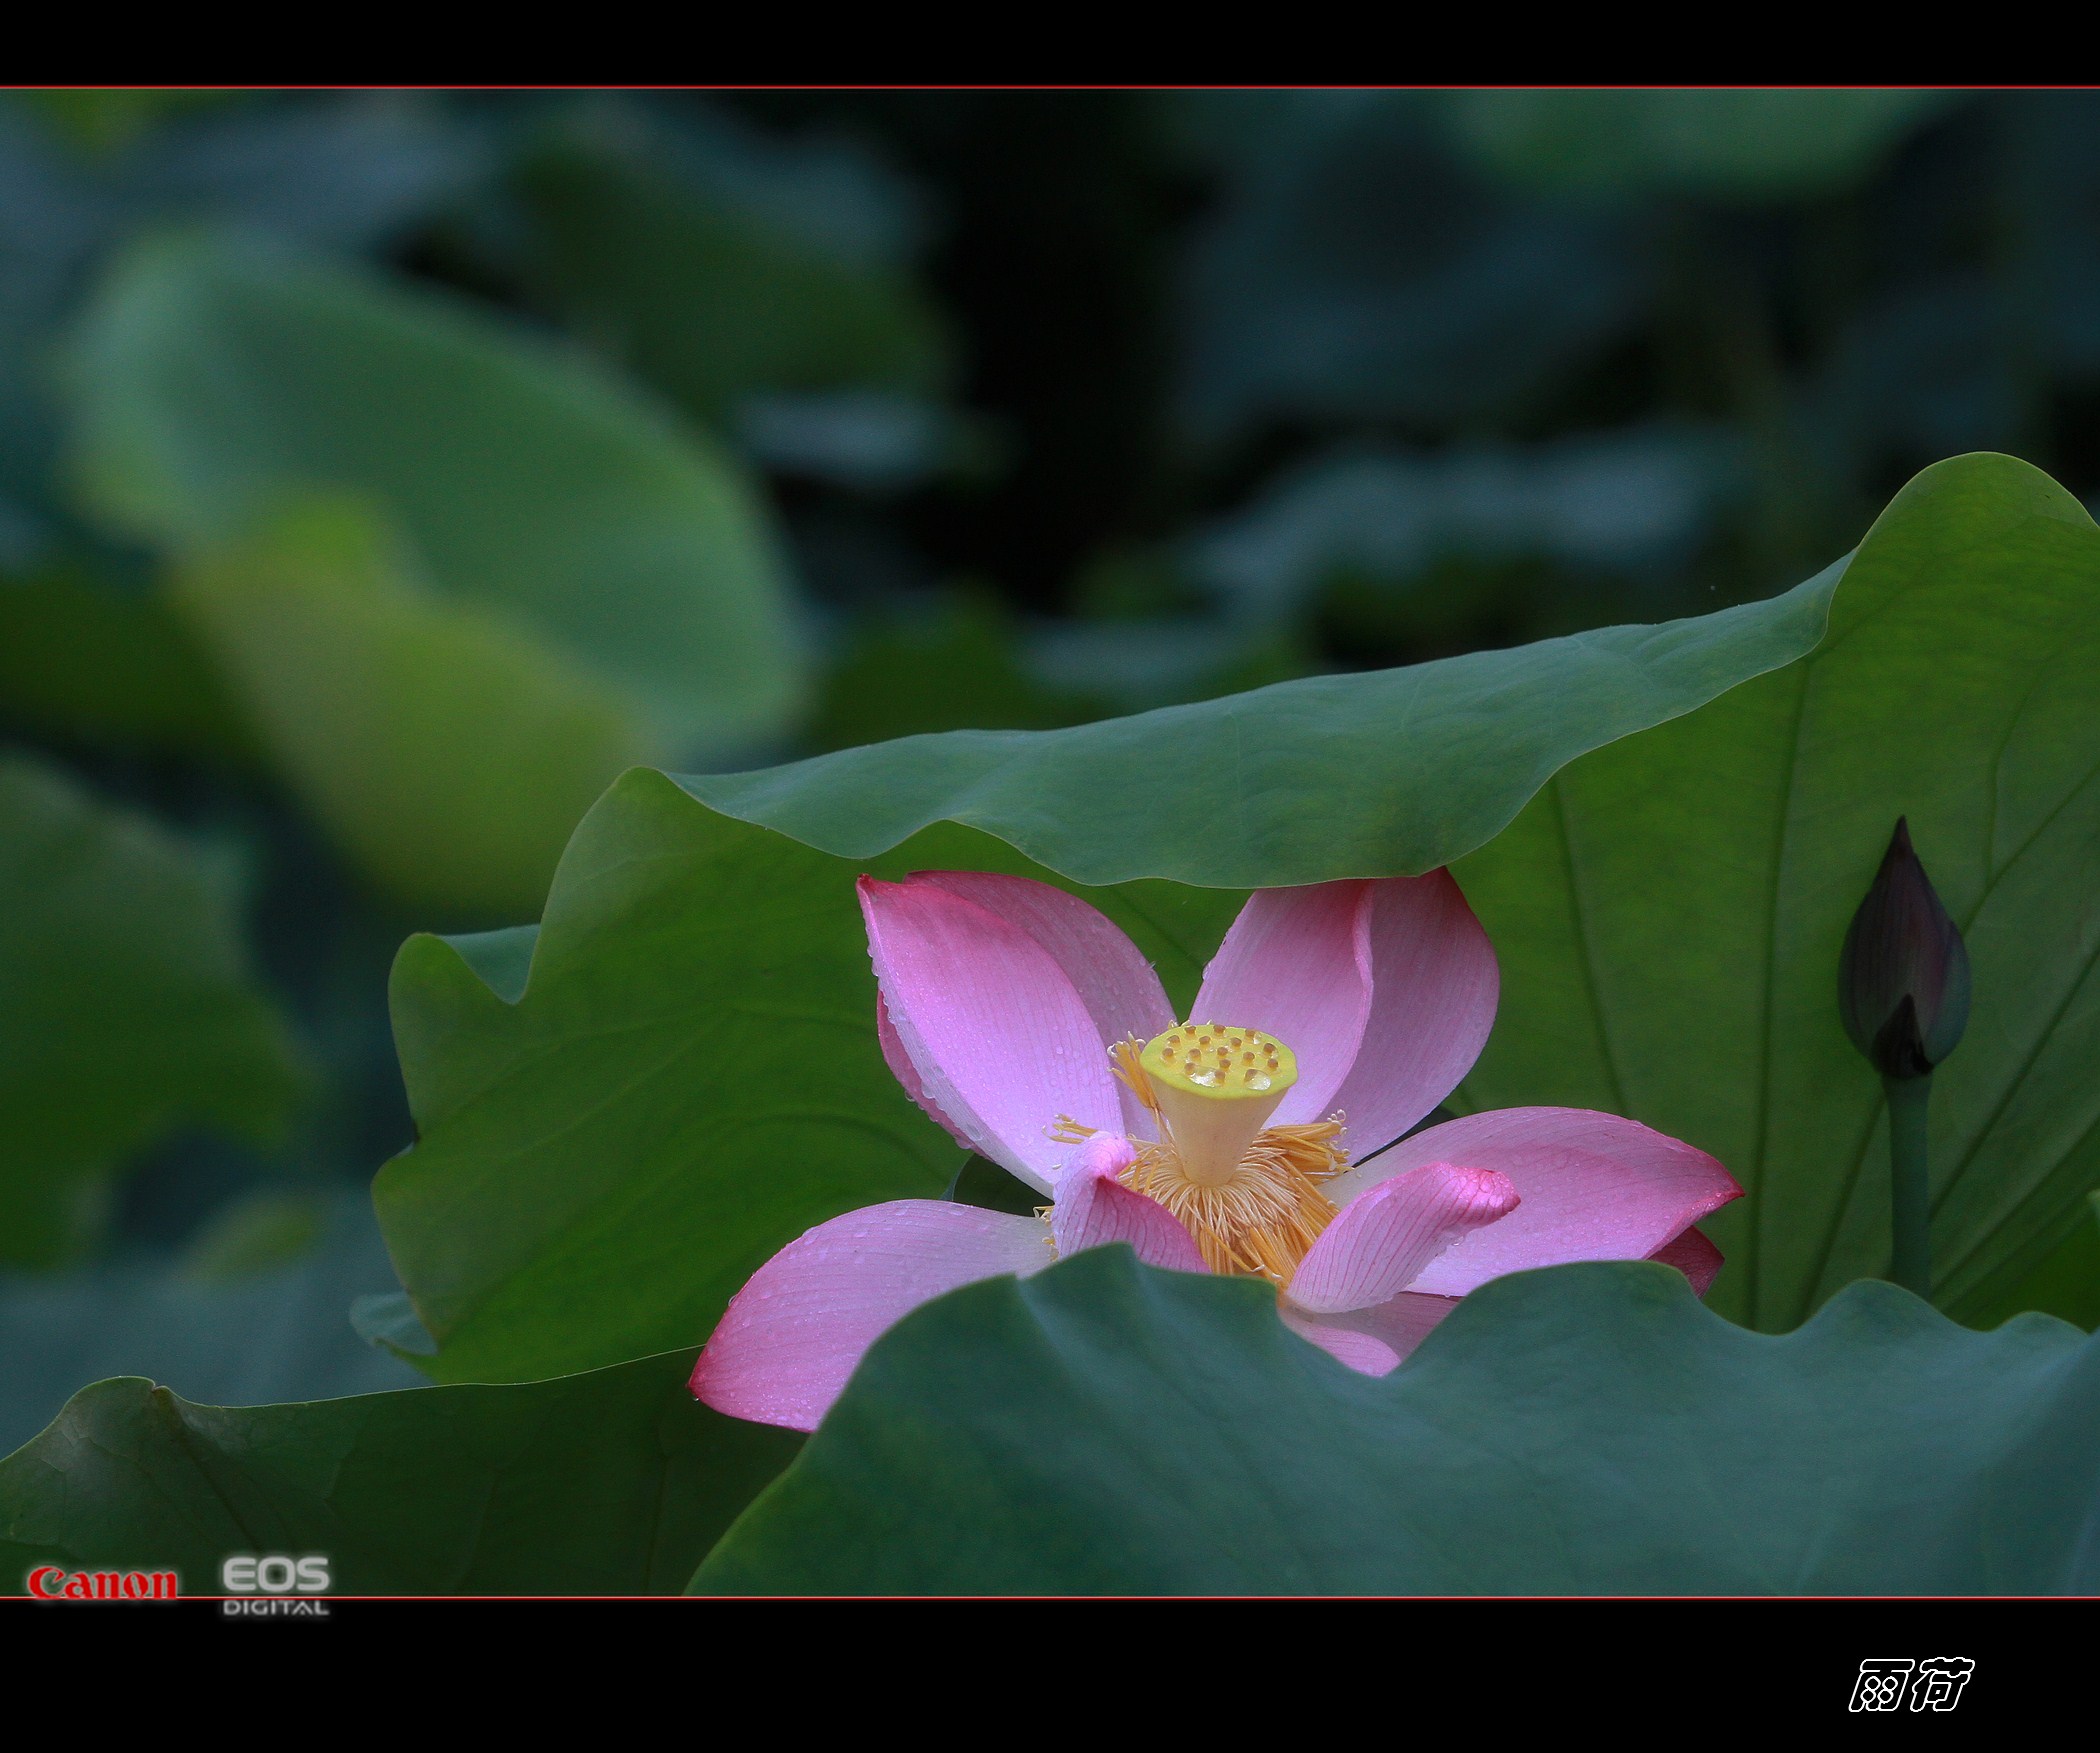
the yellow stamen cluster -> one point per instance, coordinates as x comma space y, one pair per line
1249, 1195
1262, 1220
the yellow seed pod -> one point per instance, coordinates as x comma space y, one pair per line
1265, 1067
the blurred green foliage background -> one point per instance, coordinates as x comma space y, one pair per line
382, 473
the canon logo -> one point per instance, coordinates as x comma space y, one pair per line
49, 1583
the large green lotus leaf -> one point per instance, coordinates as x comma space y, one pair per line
209, 379
621, 1116
580, 1136
1719, 853
1104, 1427
448, 748
127, 1006
1743, 144
708, 300
1668, 911
611, 1483
1381, 774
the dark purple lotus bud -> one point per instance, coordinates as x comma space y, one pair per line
1903, 976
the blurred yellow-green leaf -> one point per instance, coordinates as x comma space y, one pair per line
447, 748
269, 1229
601, 584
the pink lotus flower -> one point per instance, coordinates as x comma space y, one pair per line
1340, 1014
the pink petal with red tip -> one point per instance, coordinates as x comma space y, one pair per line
1093, 1207
1594, 1187
1297, 965
1434, 987
1374, 1341
1114, 981
1694, 1256
793, 1335
1000, 1039
1383, 1241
